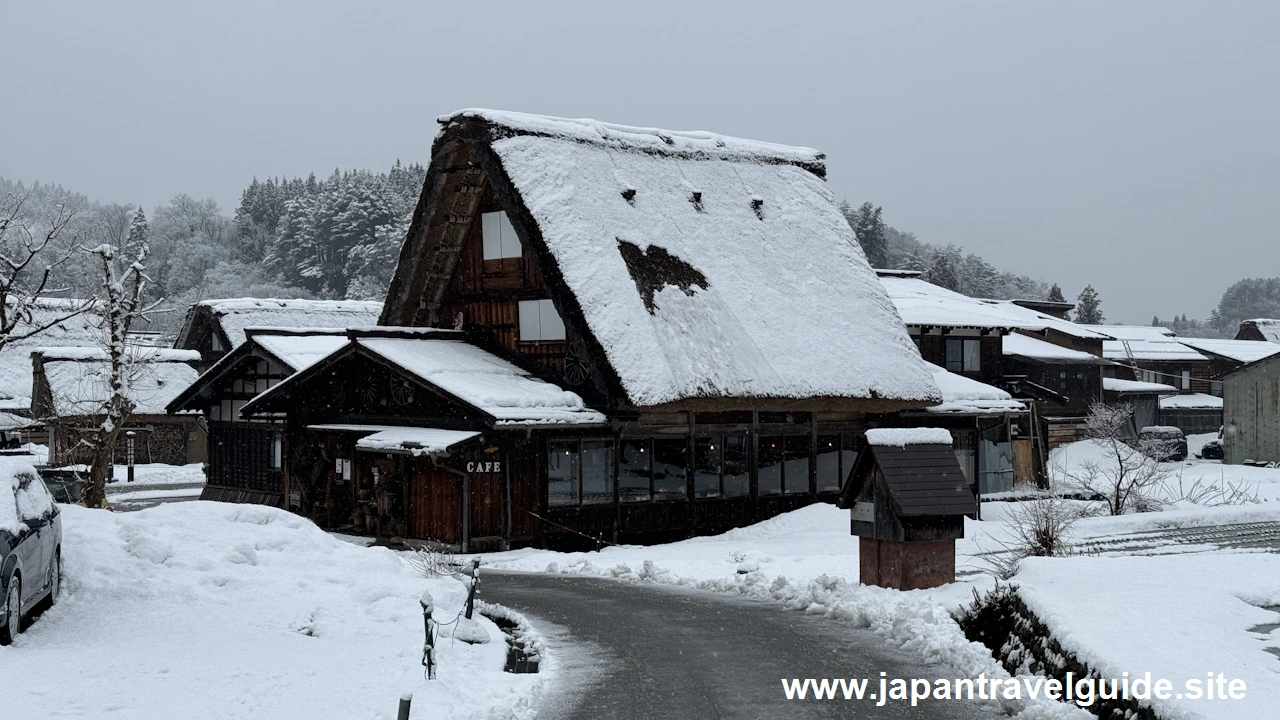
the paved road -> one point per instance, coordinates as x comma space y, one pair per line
642, 652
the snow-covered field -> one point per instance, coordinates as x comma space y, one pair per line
806, 560
217, 611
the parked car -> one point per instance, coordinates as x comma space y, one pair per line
67, 485
1163, 442
30, 546
1212, 450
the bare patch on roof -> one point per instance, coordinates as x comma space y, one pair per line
654, 268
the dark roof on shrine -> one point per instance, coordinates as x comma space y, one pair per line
924, 480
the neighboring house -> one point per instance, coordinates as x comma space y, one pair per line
71, 383
83, 330
246, 457
1035, 355
1141, 396
987, 428
1191, 413
215, 327
1251, 412
1155, 355
658, 334
1266, 329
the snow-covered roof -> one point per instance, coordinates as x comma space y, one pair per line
902, 437
1192, 401
9, 421
235, 315
1166, 349
483, 380
15, 357
143, 353
1024, 346
1136, 387
300, 351
414, 440
965, 396
706, 267
925, 304
1268, 327
78, 379
1246, 351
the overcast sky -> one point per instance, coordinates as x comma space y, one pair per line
1131, 145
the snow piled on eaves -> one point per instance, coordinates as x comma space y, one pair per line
1024, 346
79, 387
791, 309
1246, 351
484, 381
1118, 385
236, 315
1191, 401
416, 441
966, 396
1167, 349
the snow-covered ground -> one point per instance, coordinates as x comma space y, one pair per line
807, 561
218, 611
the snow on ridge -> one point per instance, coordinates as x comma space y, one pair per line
236, 315
646, 139
902, 437
139, 353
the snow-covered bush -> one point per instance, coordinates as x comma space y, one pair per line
1037, 528
1125, 473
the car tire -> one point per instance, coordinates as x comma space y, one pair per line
11, 623
55, 579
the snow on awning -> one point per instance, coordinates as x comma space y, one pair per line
1023, 346
902, 437
965, 396
1193, 401
1135, 387
415, 441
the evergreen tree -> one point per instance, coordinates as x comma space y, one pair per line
1055, 294
1155, 321
942, 271
869, 227
1088, 308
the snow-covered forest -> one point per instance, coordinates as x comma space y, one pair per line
338, 237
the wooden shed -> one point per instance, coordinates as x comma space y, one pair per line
1251, 412
908, 498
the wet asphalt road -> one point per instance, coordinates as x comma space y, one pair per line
639, 652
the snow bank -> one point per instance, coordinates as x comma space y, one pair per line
1178, 617
901, 437
218, 611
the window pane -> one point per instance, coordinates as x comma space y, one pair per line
955, 355
972, 355
552, 327
797, 464
562, 473
670, 463
633, 470
597, 471
529, 326
491, 229
510, 241
769, 466
706, 467
828, 459
737, 478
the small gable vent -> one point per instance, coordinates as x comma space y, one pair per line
696, 198
630, 196
757, 204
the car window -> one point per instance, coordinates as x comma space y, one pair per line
34, 500
9, 521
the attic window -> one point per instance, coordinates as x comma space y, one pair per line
500, 239
540, 321
757, 204
630, 196
216, 341
696, 198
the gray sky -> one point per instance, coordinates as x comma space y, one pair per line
1131, 145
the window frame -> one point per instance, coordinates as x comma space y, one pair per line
498, 237
968, 349
535, 315
579, 495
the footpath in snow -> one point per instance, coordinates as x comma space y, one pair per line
211, 611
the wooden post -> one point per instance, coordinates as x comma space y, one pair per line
506, 500
405, 701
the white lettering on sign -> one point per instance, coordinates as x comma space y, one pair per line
484, 467
863, 512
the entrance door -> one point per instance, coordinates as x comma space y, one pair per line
435, 511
